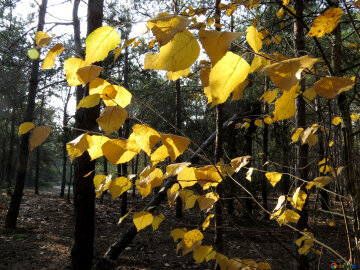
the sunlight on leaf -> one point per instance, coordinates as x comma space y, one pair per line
325, 23
78, 146
112, 118
89, 101
146, 137
206, 223
329, 87
273, 177
39, 135
49, 60
25, 127
201, 252
253, 37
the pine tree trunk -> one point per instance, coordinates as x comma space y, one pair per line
84, 193
13, 212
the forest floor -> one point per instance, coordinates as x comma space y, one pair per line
43, 238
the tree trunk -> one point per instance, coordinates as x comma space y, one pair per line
264, 182
84, 193
13, 212
9, 158
69, 183
65, 138
37, 166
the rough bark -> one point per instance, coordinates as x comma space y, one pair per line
13, 212
38, 150
9, 158
84, 193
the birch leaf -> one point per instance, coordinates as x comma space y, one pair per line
329, 87
100, 42
116, 152
146, 137
325, 23
191, 237
118, 186
142, 219
88, 73
49, 60
25, 127
112, 118
176, 145
71, 66
39, 135
95, 150
89, 101
201, 252
78, 146
157, 221
273, 177
253, 37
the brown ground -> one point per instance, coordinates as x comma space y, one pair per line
43, 238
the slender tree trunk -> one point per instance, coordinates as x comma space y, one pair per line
13, 212
4, 157
65, 138
38, 150
9, 163
135, 172
302, 150
219, 243
69, 183
84, 194
264, 182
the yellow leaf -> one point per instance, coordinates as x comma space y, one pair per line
117, 53
128, 42
39, 35
258, 123
186, 250
178, 54
332, 223
296, 135
33, 54
118, 186
112, 118
222, 261
207, 201
173, 76
206, 223
239, 162
88, 73
176, 145
175, 169
97, 86
100, 42
319, 182
273, 177
98, 180
146, 137
288, 216
156, 222
122, 97
142, 219
269, 96
95, 150
178, 233
336, 120
159, 155
115, 150
309, 94
249, 173
208, 176
227, 75
137, 43
235, 264
71, 66
201, 252
123, 217
285, 105
298, 199
49, 60
280, 202
165, 26
39, 135
191, 237
238, 92
329, 87
253, 37
263, 266
325, 23
79, 145
287, 73
216, 43
354, 117
186, 177
89, 101
25, 127
280, 13
190, 201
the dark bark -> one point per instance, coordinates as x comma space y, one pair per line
38, 150
13, 212
69, 183
84, 193
9, 158
64, 141
264, 182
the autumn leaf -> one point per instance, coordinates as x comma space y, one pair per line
165, 26
71, 66
273, 177
207, 201
201, 252
176, 145
239, 162
173, 76
227, 74
89, 101
122, 96
88, 73
191, 237
206, 223
309, 95
269, 96
112, 118
175, 169
336, 120
253, 37
49, 60
25, 127
118, 186
142, 219
319, 182
156, 222
178, 54
288, 216
238, 92
287, 73
178, 233
296, 135
146, 137
285, 105
39, 36
95, 150
216, 43
100, 42
39, 135
299, 198
115, 150
325, 23
159, 155
329, 87
79, 145
97, 86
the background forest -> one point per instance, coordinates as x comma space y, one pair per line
231, 127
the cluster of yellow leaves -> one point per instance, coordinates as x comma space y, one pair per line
306, 136
39, 134
143, 219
